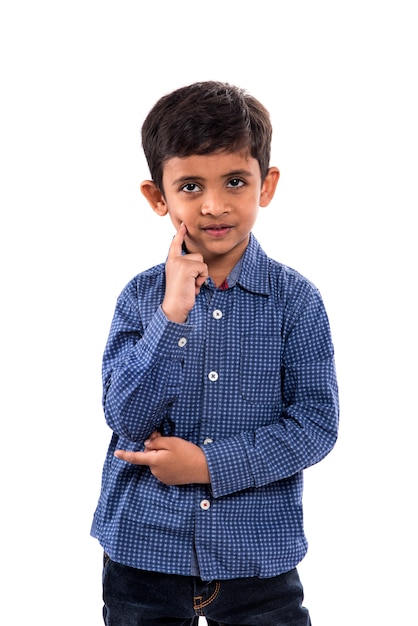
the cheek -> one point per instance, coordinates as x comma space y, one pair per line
250, 215
183, 212
176, 221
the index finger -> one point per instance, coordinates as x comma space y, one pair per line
135, 458
176, 246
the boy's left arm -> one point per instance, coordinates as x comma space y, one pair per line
305, 431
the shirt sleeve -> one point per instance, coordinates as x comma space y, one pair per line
306, 427
142, 371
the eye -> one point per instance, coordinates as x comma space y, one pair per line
190, 188
235, 182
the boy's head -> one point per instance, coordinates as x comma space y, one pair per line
203, 118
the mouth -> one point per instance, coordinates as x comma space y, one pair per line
217, 230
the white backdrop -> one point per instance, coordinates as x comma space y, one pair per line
77, 79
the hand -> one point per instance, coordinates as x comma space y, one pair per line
172, 460
185, 274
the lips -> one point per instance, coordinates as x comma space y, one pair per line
217, 230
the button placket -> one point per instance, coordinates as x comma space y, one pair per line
213, 375
216, 315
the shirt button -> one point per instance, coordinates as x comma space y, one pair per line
182, 342
213, 376
217, 314
207, 440
205, 505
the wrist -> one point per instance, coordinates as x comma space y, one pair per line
174, 315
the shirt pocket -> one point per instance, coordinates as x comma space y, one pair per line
260, 369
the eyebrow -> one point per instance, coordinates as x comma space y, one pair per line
233, 174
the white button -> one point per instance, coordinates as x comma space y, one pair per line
213, 376
217, 314
207, 440
205, 505
182, 342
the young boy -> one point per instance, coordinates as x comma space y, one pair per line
219, 387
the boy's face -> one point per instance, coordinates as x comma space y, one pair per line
217, 196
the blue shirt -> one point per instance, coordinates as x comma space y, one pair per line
250, 378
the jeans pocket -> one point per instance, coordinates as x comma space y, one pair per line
106, 559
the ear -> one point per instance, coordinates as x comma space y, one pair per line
269, 185
154, 197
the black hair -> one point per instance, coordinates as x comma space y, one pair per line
203, 118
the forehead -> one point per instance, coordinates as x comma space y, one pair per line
214, 164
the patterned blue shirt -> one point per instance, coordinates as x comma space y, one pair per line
250, 378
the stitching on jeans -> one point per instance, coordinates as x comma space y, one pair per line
198, 599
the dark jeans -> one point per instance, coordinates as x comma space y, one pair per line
135, 597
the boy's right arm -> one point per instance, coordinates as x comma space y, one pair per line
142, 371
142, 367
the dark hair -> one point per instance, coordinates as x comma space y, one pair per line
203, 118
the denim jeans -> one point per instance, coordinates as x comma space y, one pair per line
135, 597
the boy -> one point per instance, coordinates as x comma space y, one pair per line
219, 387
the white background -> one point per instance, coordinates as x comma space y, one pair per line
77, 79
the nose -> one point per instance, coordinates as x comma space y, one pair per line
214, 204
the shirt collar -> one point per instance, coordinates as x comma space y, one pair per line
251, 271
254, 274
